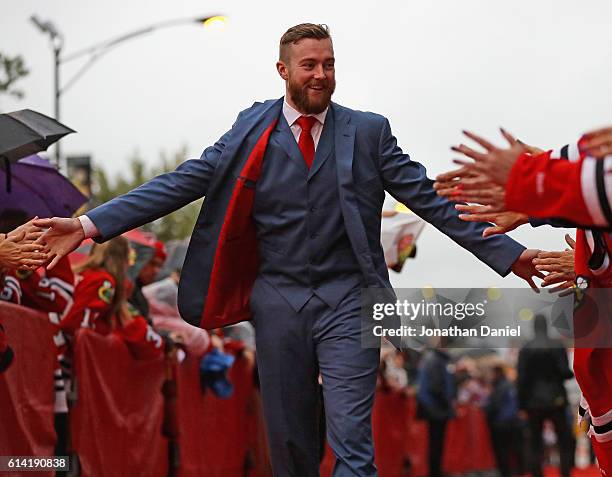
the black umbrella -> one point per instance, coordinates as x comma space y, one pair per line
26, 132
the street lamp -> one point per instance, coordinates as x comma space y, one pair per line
94, 52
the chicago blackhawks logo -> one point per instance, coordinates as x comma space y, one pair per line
106, 292
580, 288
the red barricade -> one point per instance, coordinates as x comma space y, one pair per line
390, 429
26, 388
401, 440
116, 423
219, 437
468, 443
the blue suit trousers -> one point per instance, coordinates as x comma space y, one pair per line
292, 349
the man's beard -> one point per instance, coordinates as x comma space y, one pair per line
300, 97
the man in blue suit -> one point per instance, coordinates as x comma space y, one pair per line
288, 235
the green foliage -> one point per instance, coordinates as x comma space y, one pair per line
177, 225
11, 70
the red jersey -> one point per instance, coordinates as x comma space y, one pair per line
47, 290
141, 339
11, 290
579, 189
93, 299
44, 290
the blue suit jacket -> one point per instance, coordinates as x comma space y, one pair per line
369, 162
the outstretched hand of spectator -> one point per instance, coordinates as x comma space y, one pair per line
16, 253
29, 231
61, 237
558, 265
494, 163
503, 221
597, 143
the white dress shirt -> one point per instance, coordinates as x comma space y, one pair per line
291, 115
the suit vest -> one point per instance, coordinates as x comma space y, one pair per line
302, 241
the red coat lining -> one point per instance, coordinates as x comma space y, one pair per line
236, 260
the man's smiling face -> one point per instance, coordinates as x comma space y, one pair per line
309, 73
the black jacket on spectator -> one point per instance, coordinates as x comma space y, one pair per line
502, 405
542, 369
139, 301
436, 386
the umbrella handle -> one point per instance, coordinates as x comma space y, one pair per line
7, 167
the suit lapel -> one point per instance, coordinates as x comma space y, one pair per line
344, 143
285, 139
254, 126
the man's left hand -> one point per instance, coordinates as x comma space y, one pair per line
524, 268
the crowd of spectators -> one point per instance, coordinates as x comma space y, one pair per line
114, 290
528, 399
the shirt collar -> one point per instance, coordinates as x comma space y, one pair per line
291, 114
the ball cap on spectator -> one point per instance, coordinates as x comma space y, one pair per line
213, 373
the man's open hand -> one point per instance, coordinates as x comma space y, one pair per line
61, 238
524, 268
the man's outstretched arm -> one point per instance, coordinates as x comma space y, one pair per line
152, 200
407, 182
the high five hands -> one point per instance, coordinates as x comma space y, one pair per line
19, 250
483, 179
61, 237
480, 183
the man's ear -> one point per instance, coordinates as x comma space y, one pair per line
281, 67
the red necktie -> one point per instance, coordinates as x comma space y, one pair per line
306, 143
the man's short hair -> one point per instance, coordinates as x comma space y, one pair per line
299, 32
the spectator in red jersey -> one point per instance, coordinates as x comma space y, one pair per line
100, 300
49, 291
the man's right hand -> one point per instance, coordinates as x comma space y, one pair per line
61, 238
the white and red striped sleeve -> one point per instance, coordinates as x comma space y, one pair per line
578, 189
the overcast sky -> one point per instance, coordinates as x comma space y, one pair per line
542, 69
